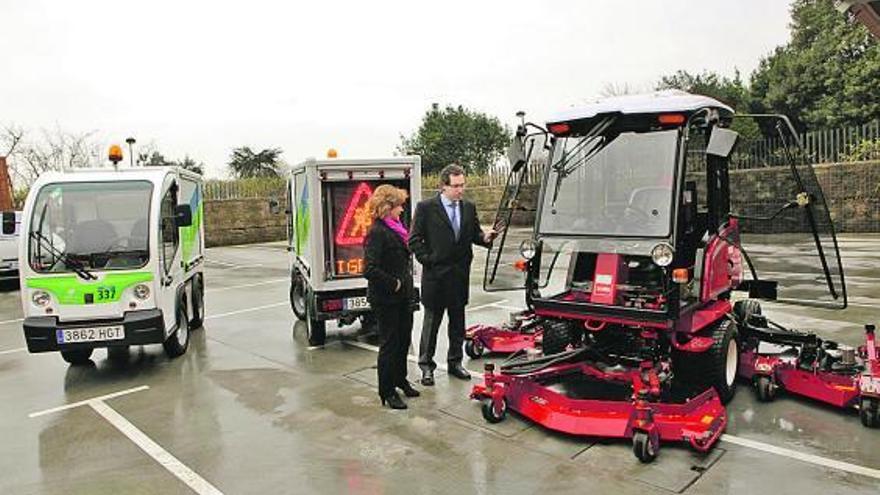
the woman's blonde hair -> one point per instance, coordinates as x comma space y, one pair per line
384, 198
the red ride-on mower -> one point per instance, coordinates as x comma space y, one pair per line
640, 340
776, 358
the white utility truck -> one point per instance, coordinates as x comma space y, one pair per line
327, 222
11, 222
112, 258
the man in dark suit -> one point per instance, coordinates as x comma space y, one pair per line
444, 229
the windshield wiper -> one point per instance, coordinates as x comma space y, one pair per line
74, 264
597, 142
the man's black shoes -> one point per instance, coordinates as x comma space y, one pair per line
458, 371
428, 378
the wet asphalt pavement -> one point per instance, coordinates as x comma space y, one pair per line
252, 409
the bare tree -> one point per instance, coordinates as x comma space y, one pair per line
54, 150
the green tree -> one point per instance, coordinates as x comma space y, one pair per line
455, 134
826, 75
157, 159
244, 163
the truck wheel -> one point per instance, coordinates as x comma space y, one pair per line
178, 342
557, 336
716, 367
643, 448
869, 412
77, 357
765, 389
473, 348
298, 296
198, 302
317, 330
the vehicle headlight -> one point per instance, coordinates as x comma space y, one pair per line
527, 249
40, 298
142, 291
662, 254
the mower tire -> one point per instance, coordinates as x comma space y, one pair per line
743, 310
492, 415
716, 367
644, 449
765, 388
869, 412
474, 348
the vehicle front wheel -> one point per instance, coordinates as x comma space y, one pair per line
715, 367
298, 296
198, 303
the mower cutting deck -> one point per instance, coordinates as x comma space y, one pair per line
775, 358
524, 331
653, 411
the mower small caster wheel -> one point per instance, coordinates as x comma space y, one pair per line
869, 412
490, 413
644, 449
474, 348
765, 389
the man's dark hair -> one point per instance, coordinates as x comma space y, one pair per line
451, 169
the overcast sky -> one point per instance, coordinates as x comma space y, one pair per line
201, 78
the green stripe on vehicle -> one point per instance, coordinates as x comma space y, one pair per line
71, 290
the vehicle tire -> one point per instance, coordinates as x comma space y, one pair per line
716, 367
765, 389
118, 353
77, 357
198, 303
317, 330
176, 344
643, 448
557, 336
474, 348
743, 310
869, 412
492, 415
298, 295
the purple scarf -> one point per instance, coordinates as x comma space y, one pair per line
395, 225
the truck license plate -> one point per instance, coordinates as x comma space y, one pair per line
74, 335
356, 303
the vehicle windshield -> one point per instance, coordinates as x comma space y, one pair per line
81, 226
626, 189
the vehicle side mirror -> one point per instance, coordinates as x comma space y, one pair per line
516, 153
274, 207
8, 222
721, 142
183, 216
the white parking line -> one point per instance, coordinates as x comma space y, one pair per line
793, 454
151, 448
88, 401
11, 321
10, 351
154, 450
744, 442
248, 310
244, 286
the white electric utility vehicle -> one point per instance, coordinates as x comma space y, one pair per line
112, 258
327, 222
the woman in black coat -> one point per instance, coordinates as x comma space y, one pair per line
388, 270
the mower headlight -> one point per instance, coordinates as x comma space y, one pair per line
662, 254
142, 291
40, 298
528, 248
